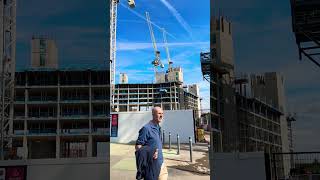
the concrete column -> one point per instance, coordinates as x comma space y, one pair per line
175, 97
255, 132
171, 97
25, 112
57, 146
267, 113
138, 108
118, 97
128, 106
260, 108
58, 99
25, 147
150, 90
25, 141
89, 150
147, 90
58, 120
90, 105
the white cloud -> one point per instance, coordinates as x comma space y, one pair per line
142, 17
178, 16
182, 58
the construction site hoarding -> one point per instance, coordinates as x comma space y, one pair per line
175, 122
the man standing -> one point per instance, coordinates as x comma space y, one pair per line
151, 133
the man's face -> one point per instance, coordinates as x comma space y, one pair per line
157, 115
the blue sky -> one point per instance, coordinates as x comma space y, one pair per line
81, 33
187, 23
263, 41
79, 28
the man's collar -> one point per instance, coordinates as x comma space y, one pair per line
154, 125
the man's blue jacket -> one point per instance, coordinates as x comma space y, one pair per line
147, 167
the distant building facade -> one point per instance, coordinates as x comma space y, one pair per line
123, 78
142, 97
60, 113
44, 53
173, 74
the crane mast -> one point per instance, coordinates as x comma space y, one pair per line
156, 62
167, 49
113, 37
7, 70
113, 44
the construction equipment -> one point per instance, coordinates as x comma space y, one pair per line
205, 59
7, 68
156, 62
167, 49
113, 42
131, 3
200, 135
305, 26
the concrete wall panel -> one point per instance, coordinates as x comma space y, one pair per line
177, 122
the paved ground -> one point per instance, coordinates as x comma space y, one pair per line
179, 166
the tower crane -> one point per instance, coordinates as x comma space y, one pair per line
113, 43
156, 62
7, 72
167, 49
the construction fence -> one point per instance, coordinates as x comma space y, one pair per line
293, 166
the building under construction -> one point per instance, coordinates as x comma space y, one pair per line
248, 113
259, 117
168, 95
59, 113
220, 71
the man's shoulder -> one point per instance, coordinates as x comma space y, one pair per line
147, 126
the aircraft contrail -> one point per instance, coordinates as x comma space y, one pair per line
178, 16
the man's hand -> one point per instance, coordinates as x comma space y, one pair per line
155, 155
138, 147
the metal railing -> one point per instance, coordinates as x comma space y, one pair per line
295, 166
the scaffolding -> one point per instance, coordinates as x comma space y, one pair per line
306, 27
7, 67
